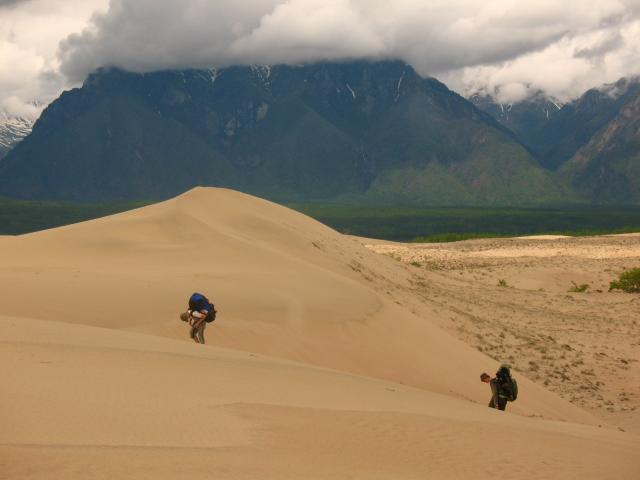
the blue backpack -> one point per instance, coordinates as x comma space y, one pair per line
197, 301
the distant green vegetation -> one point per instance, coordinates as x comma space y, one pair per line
24, 216
389, 223
454, 224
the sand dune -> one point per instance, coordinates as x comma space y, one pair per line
402, 398
84, 402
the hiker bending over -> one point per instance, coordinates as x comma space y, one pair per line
504, 387
201, 311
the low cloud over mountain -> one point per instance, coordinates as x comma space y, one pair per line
505, 48
502, 43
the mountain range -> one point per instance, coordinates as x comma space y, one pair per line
366, 132
554, 132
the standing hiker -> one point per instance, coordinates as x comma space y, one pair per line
201, 311
504, 387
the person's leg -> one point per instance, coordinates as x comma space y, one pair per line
193, 335
200, 333
502, 403
491, 405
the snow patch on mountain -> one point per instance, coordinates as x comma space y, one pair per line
537, 104
397, 96
353, 94
12, 130
263, 72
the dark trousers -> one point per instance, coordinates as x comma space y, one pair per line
502, 403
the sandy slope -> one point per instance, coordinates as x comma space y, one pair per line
284, 284
583, 345
83, 402
111, 403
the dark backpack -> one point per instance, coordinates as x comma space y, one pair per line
212, 314
508, 384
510, 389
197, 301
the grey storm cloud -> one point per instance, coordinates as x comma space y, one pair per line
506, 48
11, 3
435, 35
441, 38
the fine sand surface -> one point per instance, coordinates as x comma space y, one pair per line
582, 345
327, 360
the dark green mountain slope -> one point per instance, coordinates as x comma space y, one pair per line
607, 169
374, 132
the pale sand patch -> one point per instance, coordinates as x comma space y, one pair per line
510, 248
542, 237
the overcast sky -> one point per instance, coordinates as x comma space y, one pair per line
508, 48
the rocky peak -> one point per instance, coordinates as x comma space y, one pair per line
12, 130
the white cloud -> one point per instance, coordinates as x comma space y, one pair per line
298, 31
565, 69
509, 48
506, 47
30, 32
